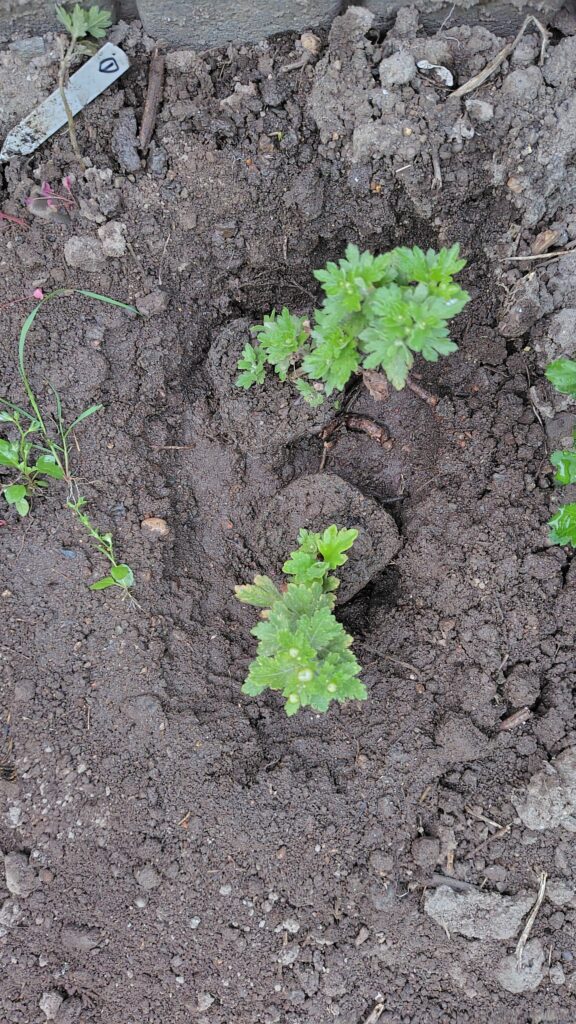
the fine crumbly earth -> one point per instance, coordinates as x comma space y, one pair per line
175, 851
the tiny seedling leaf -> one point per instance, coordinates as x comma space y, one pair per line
565, 464
48, 465
14, 493
103, 584
563, 526
562, 374
9, 454
122, 575
84, 416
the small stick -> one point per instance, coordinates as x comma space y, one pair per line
374, 1012
539, 256
497, 835
437, 180
531, 919
452, 883
493, 65
365, 425
518, 718
430, 400
482, 817
13, 219
153, 97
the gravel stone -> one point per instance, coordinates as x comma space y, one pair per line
152, 304
550, 798
21, 879
399, 69
426, 851
522, 687
147, 877
155, 527
84, 252
477, 915
50, 1003
112, 237
528, 976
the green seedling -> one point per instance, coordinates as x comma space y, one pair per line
303, 650
84, 25
562, 374
40, 449
379, 311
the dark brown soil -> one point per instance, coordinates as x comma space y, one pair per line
188, 852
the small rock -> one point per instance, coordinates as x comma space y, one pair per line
399, 69
84, 253
288, 955
21, 878
290, 925
157, 160
28, 49
524, 978
225, 890
522, 687
480, 110
204, 1001
477, 915
112, 237
10, 914
550, 799
194, 923
79, 940
460, 740
124, 142
560, 894
522, 85
557, 976
50, 1003
274, 91
426, 851
147, 877
155, 527
152, 304
310, 42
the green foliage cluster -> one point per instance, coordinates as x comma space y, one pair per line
81, 22
378, 312
303, 650
562, 374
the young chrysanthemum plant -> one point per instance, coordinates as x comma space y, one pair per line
379, 312
562, 374
303, 650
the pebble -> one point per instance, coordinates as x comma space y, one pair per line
204, 1001
561, 894
480, 110
310, 42
550, 798
426, 851
399, 69
528, 976
288, 955
147, 877
522, 687
155, 527
50, 1003
112, 237
79, 940
21, 878
84, 253
124, 141
225, 890
477, 915
28, 49
194, 923
152, 304
557, 976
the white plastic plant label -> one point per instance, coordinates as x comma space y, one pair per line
84, 86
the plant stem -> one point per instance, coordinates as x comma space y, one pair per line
65, 59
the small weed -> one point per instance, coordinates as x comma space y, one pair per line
562, 374
39, 449
378, 312
303, 650
83, 25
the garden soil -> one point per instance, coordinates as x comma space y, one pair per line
175, 851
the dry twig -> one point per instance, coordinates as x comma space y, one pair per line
518, 718
153, 97
494, 64
531, 919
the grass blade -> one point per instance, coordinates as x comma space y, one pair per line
106, 298
84, 416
